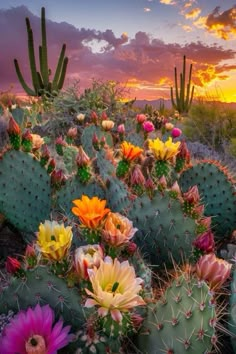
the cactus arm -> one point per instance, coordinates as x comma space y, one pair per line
44, 59
172, 98
32, 56
182, 80
27, 89
63, 73
59, 68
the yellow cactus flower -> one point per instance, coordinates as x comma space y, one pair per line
164, 150
115, 288
37, 141
91, 212
130, 152
54, 240
108, 124
117, 230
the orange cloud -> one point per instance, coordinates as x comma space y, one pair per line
192, 14
168, 2
222, 24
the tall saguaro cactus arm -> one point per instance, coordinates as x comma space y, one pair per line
183, 93
40, 78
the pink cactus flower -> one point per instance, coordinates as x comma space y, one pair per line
32, 331
176, 132
121, 129
148, 126
213, 270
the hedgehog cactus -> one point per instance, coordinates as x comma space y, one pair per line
182, 320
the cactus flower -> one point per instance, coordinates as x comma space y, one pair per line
54, 240
13, 127
137, 176
107, 124
121, 129
72, 133
213, 270
86, 257
192, 195
37, 141
169, 126
130, 152
140, 118
91, 212
148, 126
82, 158
33, 332
115, 288
176, 132
117, 230
80, 117
164, 150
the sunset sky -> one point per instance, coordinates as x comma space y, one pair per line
135, 42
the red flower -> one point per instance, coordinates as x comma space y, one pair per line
12, 265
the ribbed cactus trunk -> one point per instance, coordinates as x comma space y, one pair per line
40, 79
183, 93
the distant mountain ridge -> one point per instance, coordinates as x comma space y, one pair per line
168, 105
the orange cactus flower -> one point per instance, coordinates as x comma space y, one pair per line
130, 152
118, 230
91, 212
213, 270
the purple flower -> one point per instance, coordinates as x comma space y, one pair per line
32, 331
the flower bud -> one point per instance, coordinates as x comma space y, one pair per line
205, 242
86, 257
140, 118
121, 129
12, 265
192, 195
13, 127
72, 132
169, 126
80, 117
148, 126
82, 158
137, 176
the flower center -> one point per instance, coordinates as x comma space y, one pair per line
36, 345
112, 288
53, 238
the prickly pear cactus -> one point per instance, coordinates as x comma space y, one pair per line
41, 286
74, 189
25, 197
135, 139
117, 194
104, 166
87, 138
183, 320
164, 231
218, 192
69, 158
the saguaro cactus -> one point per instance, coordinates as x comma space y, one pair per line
40, 79
183, 93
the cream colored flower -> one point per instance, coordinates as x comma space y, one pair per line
117, 230
107, 124
37, 141
115, 288
86, 257
54, 240
80, 117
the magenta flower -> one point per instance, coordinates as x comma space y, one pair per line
32, 331
176, 132
148, 126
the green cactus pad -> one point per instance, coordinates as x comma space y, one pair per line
135, 139
117, 195
74, 189
164, 231
41, 286
217, 193
25, 191
87, 138
182, 321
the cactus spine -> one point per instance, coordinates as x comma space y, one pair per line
183, 94
40, 80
